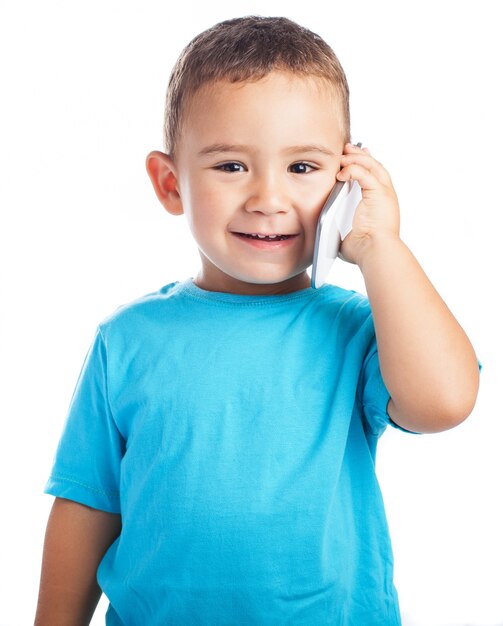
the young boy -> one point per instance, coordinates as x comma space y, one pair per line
217, 465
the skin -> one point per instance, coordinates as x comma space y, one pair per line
262, 157
76, 540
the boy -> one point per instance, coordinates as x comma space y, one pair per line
217, 466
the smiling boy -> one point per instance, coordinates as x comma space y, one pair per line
217, 465
254, 158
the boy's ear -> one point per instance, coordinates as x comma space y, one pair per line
162, 173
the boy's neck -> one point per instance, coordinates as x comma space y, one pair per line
229, 284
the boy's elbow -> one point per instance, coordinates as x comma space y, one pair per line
438, 414
453, 414
440, 406
431, 421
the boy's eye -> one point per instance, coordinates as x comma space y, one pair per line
230, 167
301, 168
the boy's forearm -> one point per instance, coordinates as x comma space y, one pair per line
76, 539
427, 361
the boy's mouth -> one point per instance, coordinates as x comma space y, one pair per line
272, 242
263, 237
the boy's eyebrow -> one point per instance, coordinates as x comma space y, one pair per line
221, 147
310, 148
217, 148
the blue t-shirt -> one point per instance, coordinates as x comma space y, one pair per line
236, 436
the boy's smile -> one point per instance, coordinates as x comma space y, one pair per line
254, 164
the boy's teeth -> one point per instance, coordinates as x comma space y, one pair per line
266, 237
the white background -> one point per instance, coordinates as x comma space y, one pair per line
82, 89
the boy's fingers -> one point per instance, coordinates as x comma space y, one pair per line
364, 176
369, 163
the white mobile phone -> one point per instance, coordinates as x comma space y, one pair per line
334, 223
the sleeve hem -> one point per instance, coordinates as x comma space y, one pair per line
70, 489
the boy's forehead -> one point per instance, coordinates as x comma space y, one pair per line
309, 103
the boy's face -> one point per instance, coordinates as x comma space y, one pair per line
258, 158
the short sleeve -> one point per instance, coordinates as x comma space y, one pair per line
87, 463
374, 395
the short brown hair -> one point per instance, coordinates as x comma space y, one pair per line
247, 49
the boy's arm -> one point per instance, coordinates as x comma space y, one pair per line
427, 362
76, 539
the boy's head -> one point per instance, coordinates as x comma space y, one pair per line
244, 50
256, 122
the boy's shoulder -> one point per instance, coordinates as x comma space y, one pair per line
333, 294
346, 308
142, 306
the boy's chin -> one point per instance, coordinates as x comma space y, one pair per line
274, 283
265, 279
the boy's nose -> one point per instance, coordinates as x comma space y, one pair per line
266, 196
